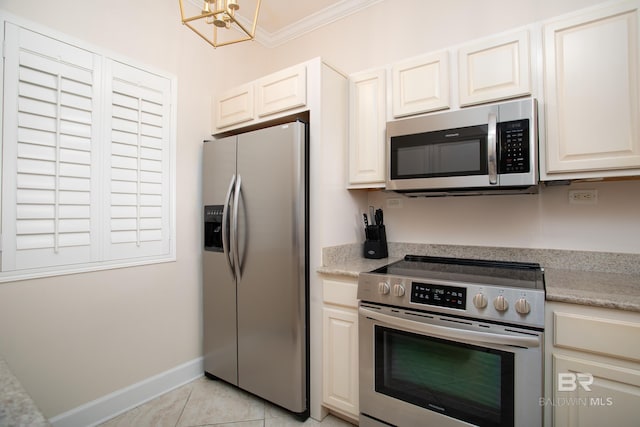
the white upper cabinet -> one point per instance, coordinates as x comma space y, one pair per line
592, 94
421, 84
282, 91
266, 98
367, 125
496, 68
234, 106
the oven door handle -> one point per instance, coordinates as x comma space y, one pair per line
451, 333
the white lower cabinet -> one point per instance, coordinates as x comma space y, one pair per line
596, 394
340, 347
593, 366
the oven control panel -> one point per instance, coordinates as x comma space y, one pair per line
439, 295
499, 303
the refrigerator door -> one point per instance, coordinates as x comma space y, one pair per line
218, 284
272, 287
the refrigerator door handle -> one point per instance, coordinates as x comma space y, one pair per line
236, 250
226, 248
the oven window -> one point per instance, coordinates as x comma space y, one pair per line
463, 381
457, 152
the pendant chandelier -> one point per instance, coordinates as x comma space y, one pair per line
218, 24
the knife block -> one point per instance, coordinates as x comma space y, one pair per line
375, 245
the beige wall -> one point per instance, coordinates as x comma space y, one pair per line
545, 220
393, 30
73, 339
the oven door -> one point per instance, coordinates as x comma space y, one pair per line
419, 368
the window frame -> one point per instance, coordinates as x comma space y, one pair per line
102, 145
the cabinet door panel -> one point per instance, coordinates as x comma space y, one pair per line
592, 93
367, 129
282, 91
600, 395
615, 338
340, 293
234, 106
340, 359
495, 69
421, 85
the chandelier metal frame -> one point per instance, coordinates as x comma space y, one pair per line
223, 18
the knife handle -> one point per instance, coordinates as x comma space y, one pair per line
379, 217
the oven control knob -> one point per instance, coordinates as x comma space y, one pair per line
501, 303
398, 290
383, 288
523, 306
480, 301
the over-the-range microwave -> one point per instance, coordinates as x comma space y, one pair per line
489, 149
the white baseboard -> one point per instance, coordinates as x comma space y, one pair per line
107, 407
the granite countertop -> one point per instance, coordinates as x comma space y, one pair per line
599, 289
352, 267
16, 407
599, 279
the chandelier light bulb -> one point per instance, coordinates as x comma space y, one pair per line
206, 8
221, 20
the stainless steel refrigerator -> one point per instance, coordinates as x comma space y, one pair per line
255, 263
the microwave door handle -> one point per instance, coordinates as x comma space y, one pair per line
492, 149
226, 248
451, 333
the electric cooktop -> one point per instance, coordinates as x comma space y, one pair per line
502, 291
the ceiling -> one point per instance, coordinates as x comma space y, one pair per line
282, 20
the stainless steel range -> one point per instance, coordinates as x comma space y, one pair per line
451, 342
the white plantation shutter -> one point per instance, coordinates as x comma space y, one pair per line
86, 160
138, 107
50, 190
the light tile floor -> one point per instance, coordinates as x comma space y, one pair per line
206, 402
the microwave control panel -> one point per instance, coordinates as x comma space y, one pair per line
514, 156
439, 295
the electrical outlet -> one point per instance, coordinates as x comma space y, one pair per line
395, 203
583, 197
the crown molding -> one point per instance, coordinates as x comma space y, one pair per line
307, 24
312, 22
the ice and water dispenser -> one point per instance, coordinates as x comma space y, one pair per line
213, 228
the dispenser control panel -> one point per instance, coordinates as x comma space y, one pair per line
213, 228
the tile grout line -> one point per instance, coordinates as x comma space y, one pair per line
185, 405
